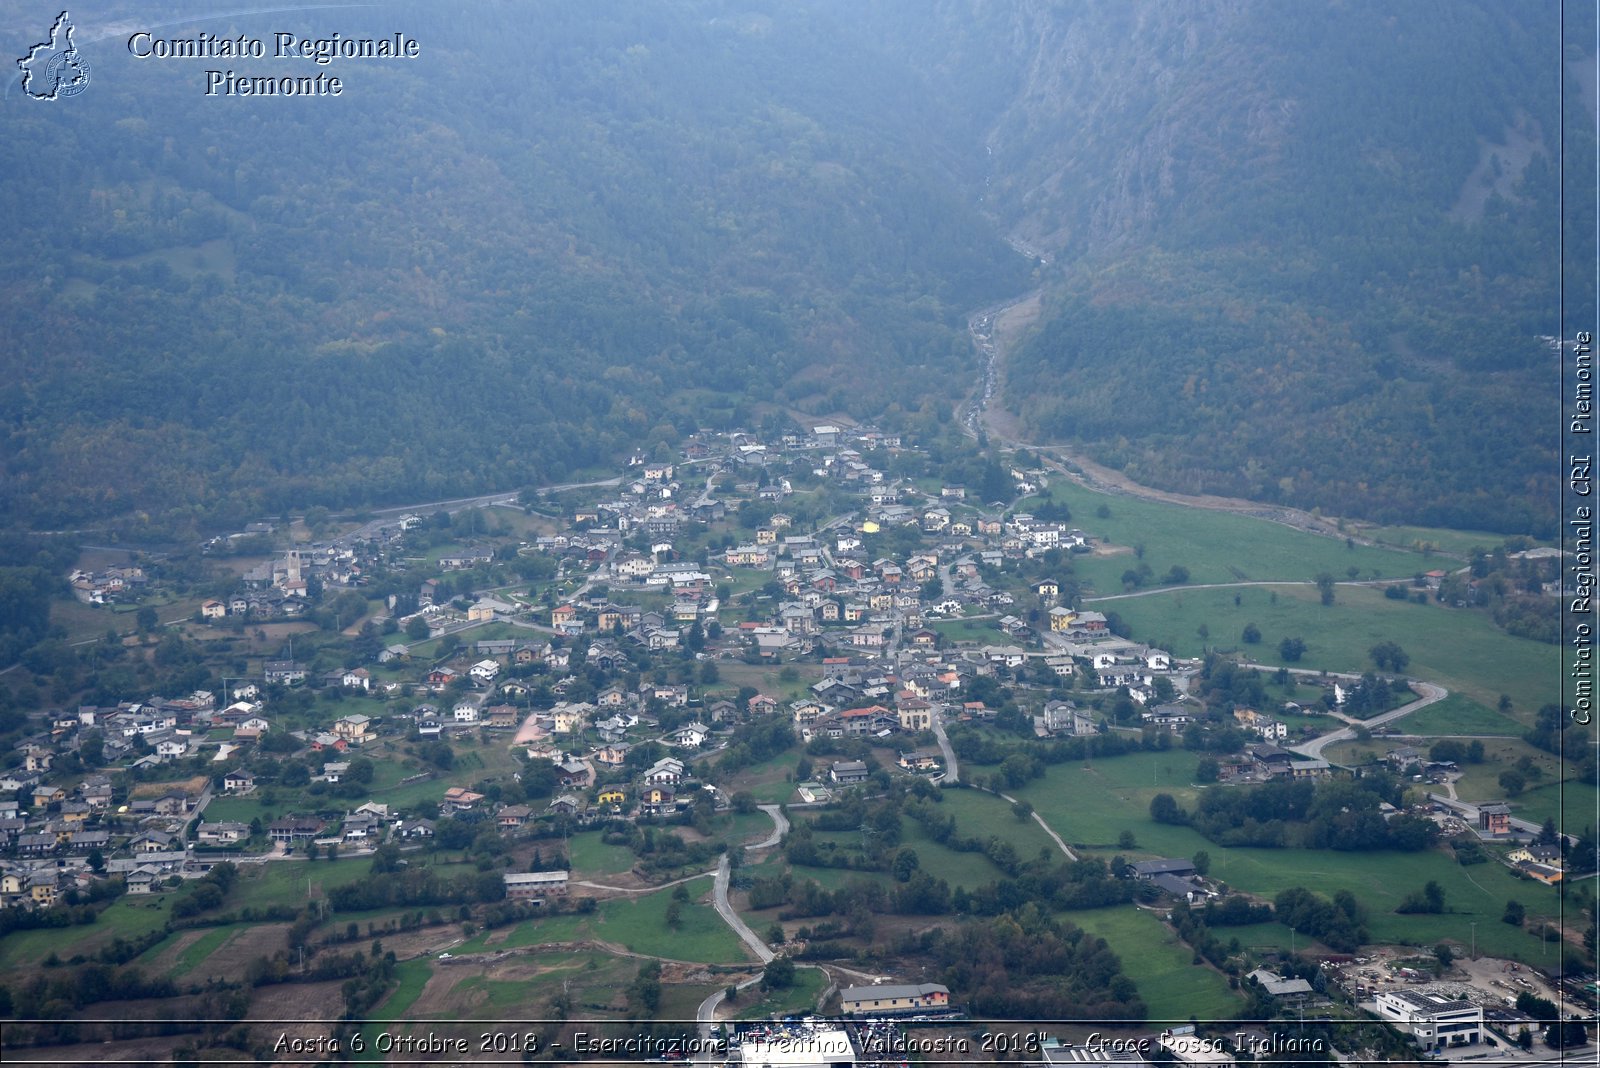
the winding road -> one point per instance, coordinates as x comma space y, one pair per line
706, 1015
952, 770
1313, 749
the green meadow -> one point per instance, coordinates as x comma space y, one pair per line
1458, 716
978, 814
592, 857
637, 923
412, 976
1460, 650
128, 917
969, 630
1457, 542
1091, 806
1160, 965
1214, 546
798, 999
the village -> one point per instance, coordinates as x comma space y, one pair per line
613, 677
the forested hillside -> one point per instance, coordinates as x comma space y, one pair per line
563, 233
1302, 252
1307, 251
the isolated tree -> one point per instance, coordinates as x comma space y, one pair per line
1291, 649
1513, 782
905, 864
779, 975
1515, 913
1389, 656
1325, 587
1164, 808
1251, 635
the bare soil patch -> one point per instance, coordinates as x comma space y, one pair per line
422, 942
191, 787
230, 960
288, 1005
438, 999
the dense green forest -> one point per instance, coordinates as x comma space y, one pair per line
1302, 252
561, 234
1307, 252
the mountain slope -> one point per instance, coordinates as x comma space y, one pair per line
562, 234
1306, 252
1301, 252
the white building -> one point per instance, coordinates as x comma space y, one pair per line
534, 884
1433, 1020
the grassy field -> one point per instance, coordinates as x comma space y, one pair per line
565, 928
741, 828
1214, 546
389, 772
1480, 782
765, 678
977, 816
1161, 965
798, 999
969, 630
1460, 542
413, 975
768, 781
1263, 937
129, 917
591, 857
1581, 801
970, 870
838, 878
293, 883
1092, 806
1457, 716
638, 924
983, 814
1460, 650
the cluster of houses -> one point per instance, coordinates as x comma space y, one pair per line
110, 586
894, 675
64, 840
283, 587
